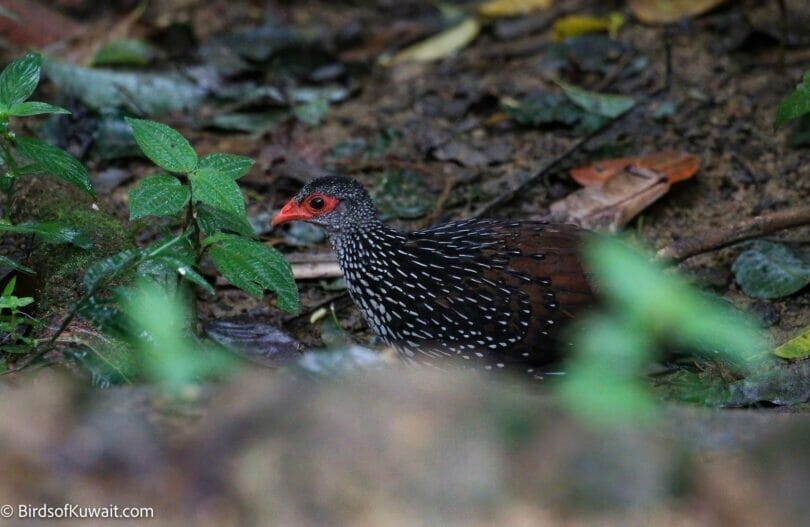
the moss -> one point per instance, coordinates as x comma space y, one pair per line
60, 268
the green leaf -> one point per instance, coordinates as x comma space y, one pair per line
796, 348
770, 270
51, 232
14, 302
551, 108
186, 271
218, 190
19, 80
9, 289
25, 109
796, 104
213, 220
159, 195
254, 267
127, 52
109, 267
606, 105
230, 165
105, 315
8, 262
55, 162
164, 145
168, 354
666, 304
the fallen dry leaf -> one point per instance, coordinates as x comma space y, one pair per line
510, 8
673, 167
34, 25
670, 11
439, 46
575, 25
796, 348
611, 206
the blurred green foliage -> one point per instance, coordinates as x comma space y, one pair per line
20, 157
169, 353
647, 310
795, 105
13, 322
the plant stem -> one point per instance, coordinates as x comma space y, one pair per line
163, 247
191, 223
13, 169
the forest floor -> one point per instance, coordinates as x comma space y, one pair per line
297, 87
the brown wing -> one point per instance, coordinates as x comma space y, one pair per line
506, 289
546, 260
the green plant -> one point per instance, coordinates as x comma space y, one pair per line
22, 156
795, 105
13, 321
203, 196
647, 311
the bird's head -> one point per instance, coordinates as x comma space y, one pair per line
332, 202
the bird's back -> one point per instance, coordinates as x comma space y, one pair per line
492, 295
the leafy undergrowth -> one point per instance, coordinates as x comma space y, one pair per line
208, 215
139, 257
419, 114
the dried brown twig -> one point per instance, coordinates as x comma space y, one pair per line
737, 232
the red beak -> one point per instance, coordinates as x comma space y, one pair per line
292, 211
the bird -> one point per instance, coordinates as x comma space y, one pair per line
480, 294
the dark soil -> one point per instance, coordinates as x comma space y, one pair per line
729, 73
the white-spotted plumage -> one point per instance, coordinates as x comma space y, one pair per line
481, 291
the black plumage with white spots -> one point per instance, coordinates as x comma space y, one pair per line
482, 294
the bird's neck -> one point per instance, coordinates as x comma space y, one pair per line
365, 244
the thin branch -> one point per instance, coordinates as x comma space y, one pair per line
730, 234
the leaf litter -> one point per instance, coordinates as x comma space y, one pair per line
542, 117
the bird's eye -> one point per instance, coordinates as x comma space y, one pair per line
317, 203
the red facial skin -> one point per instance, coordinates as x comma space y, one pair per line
304, 211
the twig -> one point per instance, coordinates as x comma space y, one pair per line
510, 194
744, 163
744, 230
614, 73
548, 167
449, 183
